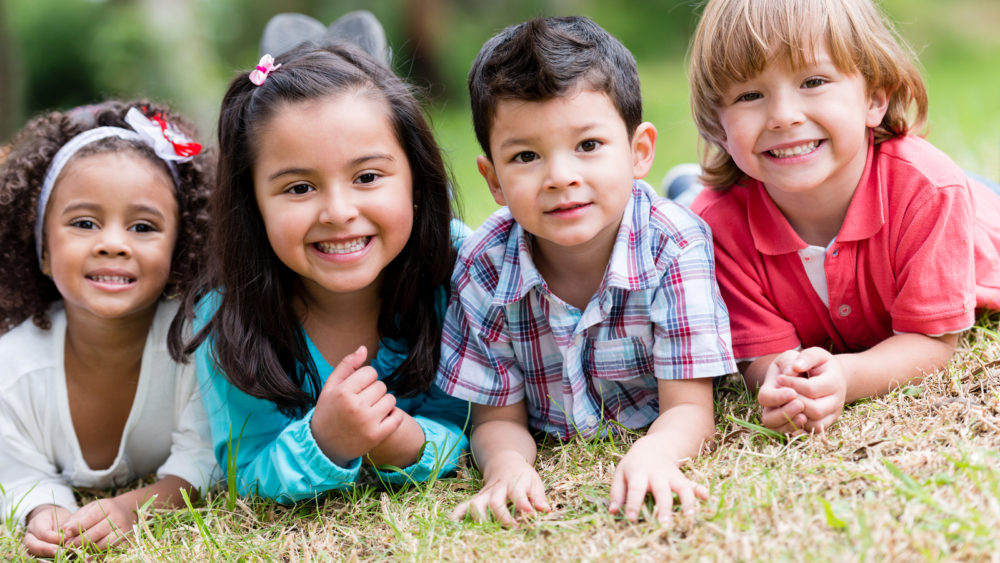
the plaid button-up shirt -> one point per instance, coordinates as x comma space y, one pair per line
657, 315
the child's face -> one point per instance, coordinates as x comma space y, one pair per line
565, 166
334, 188
801, 131
110, 229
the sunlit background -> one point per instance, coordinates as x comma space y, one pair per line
62, 53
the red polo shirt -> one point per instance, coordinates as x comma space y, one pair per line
919, 251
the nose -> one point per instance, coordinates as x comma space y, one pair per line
561, 172
784, 110
113, 242
339, 207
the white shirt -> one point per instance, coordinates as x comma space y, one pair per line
40, 458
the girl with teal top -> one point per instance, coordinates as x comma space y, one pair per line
317, 329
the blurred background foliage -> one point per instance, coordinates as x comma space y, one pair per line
56, 54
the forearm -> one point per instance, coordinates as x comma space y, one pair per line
495, 439
686, 419
681, 431
897, 360
401, 448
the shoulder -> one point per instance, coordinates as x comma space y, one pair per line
482, 253
718, 206
725, 212
27, 349
665, 224
912, 160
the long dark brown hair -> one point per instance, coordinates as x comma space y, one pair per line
256, 338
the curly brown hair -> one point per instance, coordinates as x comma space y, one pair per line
25, 292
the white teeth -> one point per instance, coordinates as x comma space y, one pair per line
795, 151
111, 279
342, 247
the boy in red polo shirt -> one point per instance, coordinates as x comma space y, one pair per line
850, 253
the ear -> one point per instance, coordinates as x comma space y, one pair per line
643, 149
46, 263
486, 168
878, 104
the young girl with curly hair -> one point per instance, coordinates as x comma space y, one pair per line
104, 215
318, 328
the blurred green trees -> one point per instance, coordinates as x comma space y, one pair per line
62, 53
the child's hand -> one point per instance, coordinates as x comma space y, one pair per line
817, 376
42, 535
101, 523
509, 478
782, 409
354, 411
644, 470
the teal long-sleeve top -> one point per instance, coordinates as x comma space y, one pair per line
277, 457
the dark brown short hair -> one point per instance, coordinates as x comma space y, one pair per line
547, 57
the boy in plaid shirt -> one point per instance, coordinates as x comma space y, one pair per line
586, 299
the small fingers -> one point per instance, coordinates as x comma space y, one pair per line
38, 547
773, 397
537, 495
635, 494
497, 504
348, 365
663, 496
786, 419
617, 496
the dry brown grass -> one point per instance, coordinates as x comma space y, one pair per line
914, 475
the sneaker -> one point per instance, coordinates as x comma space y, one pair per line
362, 28
681, 183
284, 32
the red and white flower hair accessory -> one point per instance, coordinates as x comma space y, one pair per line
265, 67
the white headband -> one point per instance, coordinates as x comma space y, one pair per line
168, 144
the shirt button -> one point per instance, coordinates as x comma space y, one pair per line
591, 421
844, 310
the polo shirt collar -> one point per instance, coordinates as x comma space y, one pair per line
773, 235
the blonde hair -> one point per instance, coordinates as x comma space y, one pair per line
735, 39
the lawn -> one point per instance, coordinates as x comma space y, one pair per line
914, 475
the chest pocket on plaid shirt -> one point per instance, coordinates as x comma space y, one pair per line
623, 358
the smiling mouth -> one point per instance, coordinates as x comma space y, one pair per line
798, 150
345, 247
112, 280
565, 208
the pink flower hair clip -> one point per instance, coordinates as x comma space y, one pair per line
264, 67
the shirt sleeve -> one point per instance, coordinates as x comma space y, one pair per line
28, 478
690, 320
935, 263
265, 452
191, 456
444, 420
477, 355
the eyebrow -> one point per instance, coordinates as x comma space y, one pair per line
93, 207
527, 140
356, 162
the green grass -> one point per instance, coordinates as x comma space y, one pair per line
912, 475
